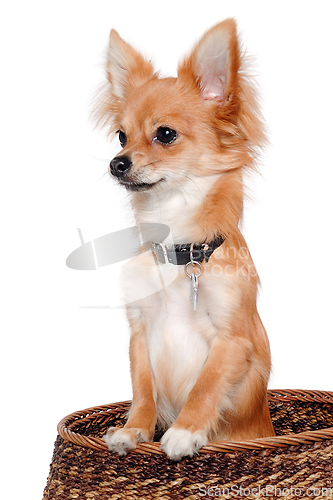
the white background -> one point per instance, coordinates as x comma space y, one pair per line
58, 357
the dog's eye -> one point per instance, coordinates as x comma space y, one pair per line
165, 135
122, 138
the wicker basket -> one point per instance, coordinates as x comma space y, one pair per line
298, 463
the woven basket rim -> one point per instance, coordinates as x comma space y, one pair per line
298, 439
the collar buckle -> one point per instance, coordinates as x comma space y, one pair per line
184, 253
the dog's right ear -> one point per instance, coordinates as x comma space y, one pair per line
214, 63
125, 66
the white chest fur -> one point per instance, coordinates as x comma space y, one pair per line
177, 349
178, 339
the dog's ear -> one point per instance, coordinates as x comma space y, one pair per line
214, 62
125, 66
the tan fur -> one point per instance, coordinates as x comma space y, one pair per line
212, 107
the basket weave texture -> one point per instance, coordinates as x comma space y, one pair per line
296, 464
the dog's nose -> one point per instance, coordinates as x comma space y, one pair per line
120, 165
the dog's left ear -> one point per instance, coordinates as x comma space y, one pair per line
125, 66
214, 62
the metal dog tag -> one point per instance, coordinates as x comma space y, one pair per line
194, 281
194, 291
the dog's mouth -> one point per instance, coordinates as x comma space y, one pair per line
139, 186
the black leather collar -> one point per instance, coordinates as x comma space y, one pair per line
181, 254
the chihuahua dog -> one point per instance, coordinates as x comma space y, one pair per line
200, 357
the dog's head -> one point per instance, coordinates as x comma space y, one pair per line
201, 123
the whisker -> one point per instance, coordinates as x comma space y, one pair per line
105, 173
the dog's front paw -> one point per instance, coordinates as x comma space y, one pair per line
178, 443
123, 440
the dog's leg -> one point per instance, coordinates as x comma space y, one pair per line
228, 362
140, 425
